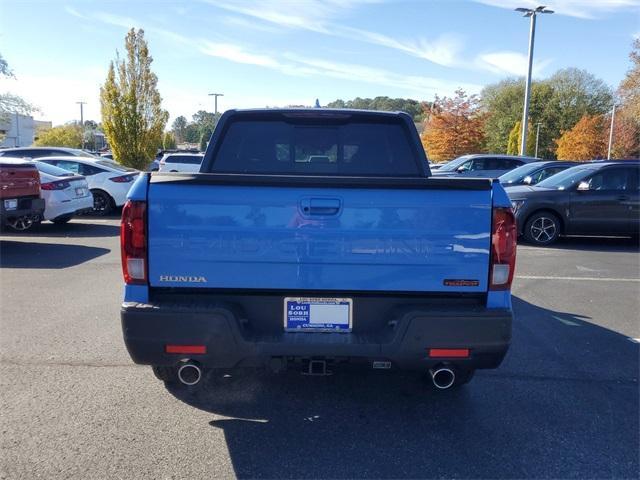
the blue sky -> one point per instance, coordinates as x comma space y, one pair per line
280, 52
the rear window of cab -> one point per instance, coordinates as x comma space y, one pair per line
349, 149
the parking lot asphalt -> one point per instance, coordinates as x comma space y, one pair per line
564, 404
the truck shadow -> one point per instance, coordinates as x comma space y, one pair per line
563, 404
45, 255
72, 230
593, 244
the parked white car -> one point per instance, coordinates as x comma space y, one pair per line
181, 162
64, 193
109, 182
38, 152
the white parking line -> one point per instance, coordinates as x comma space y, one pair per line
587, 279
635, 340
566, 322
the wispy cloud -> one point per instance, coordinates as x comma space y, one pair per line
512, 63
244, 22
443, 50
298, 66
237, 54
116, 20
318, 16
589, 9
306, 15
295, 65
72, 11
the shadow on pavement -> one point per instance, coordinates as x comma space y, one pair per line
593, 244
45, 255
563, 404
73, 229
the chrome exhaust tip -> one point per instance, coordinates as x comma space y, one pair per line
442, 377
189, 373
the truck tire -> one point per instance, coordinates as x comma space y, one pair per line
542, 228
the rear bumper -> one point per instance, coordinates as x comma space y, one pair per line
75, 206
405, 342
26, 207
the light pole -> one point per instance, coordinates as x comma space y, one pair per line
215, 100
82, 120
613, 116
537, 138
532, 13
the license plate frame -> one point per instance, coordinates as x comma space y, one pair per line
11, 204
340, 310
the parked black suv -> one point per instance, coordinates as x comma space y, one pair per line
598, 198
533, 173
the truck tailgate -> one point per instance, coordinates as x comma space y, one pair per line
312, 238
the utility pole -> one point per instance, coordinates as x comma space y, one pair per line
82, 121
215, 100
613, 116
531, 13
537, 138
18, 130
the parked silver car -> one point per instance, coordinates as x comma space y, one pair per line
481, 165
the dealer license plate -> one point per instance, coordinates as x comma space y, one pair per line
302, 314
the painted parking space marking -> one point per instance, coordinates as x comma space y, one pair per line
634, 340
586, 279
566, 322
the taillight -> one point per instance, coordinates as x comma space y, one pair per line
503, 249
122, 179
133, 242
61, 185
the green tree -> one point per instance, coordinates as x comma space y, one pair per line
192, 133
132, 114
178, 128
204, 139
514, 139
515, 136
11, 104
557, 103
69, 135
5, 71
413, 107
168, 141
626, 130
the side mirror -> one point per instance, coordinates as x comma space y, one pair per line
527, 180
460, 169
583, 186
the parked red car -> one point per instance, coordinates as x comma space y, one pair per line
20, 202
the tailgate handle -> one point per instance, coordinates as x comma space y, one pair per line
321, 206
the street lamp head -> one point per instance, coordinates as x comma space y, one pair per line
530, 11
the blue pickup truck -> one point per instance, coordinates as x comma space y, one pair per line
312, 239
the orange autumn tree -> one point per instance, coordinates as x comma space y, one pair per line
454, 127
585, 141
626, 130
